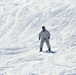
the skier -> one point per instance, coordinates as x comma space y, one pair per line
44, 35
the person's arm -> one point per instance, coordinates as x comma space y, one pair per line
39, 35
48, 35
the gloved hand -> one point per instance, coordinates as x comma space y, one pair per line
48, 37
39, 38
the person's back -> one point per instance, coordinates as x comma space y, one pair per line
44, 35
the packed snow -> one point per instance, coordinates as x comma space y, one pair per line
20, 24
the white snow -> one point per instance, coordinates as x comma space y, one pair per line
20, 24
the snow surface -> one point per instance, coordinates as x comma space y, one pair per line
20, 24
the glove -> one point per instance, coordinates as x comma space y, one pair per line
39, 38
48, 37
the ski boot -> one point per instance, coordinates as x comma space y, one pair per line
40, 49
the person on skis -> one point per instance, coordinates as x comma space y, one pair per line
44, 36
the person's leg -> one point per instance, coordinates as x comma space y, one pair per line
41, 45
48, 45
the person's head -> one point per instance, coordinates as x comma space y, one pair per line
43, 28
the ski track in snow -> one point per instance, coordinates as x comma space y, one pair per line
20, 24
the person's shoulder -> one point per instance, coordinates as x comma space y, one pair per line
47, 30
41, 31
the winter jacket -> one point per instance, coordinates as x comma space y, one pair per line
44, 35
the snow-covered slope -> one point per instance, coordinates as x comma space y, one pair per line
20, 24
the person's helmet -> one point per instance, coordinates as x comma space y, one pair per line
43, 27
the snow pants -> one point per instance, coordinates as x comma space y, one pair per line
47, 43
